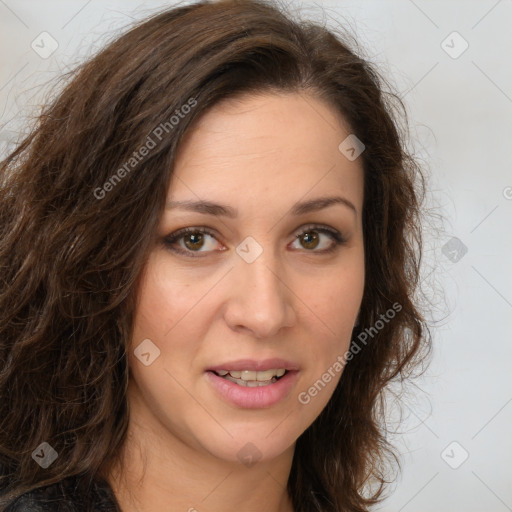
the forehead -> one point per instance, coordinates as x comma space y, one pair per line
266, 143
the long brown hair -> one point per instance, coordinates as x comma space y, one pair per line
75, 232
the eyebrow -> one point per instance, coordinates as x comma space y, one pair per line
299, 208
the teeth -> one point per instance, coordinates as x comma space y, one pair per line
250, 383
249, 375
252, 378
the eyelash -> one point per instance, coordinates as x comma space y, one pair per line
337, 237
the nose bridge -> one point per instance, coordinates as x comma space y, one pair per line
262, 303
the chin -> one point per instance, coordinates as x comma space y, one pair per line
249, 443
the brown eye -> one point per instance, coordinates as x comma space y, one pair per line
312, 237
193, 241
310, 240
196, 242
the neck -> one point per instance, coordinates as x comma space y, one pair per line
173, 476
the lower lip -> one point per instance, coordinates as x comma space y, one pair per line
253, 398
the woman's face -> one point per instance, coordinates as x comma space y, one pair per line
265, 288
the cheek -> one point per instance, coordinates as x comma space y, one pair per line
334, 308
166, 299
335, 305
166, 314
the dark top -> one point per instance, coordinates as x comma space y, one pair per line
69, 495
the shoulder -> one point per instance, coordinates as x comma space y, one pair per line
44, 499
66, 496
30, 503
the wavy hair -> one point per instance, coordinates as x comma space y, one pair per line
71, 255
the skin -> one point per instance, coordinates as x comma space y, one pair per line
259, 154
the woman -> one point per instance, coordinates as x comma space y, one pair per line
210, 251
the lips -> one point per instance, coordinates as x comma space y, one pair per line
249, 397
250, 394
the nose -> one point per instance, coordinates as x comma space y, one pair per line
261, 302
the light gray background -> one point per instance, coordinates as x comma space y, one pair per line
461, 125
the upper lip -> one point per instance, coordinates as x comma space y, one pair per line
254, 365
